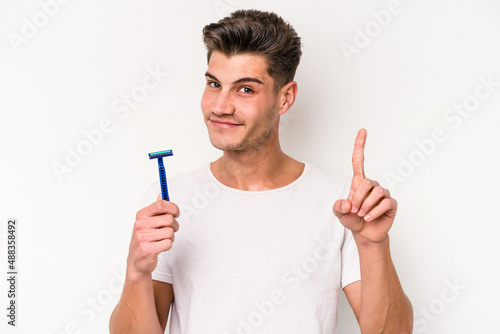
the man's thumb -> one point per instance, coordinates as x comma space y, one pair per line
341, 208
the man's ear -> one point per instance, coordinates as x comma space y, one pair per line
287, 95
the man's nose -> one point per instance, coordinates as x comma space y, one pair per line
223, 104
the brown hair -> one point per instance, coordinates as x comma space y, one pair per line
261, 33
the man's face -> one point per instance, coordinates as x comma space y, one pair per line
239, 103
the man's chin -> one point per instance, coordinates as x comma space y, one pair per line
226, 146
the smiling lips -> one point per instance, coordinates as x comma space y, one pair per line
223, 124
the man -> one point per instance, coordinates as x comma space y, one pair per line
263, 253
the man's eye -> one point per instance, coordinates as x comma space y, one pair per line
214, 84
246, 90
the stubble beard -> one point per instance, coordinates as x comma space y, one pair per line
255, 138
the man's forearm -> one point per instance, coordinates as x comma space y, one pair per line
136, 312
384, 306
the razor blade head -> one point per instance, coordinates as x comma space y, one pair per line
160, 154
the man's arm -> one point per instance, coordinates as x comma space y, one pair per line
164, 296
144, 304
385, 307
143, 307
378, 300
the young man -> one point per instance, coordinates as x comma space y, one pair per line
263, 252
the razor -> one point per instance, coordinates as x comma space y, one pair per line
163, 178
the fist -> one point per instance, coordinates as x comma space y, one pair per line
153, 233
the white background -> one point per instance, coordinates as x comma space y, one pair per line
67, 73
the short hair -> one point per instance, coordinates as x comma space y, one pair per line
261, 33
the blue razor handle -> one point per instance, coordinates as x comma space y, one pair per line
163, 178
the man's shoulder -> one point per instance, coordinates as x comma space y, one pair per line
180, 184
327, 179
327, 185
199, 174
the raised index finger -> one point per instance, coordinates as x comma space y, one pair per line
358, 155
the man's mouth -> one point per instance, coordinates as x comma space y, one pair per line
222, 124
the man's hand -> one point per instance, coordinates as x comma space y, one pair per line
153, 233
369, 210
138, 311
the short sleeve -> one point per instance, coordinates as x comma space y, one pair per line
350, 260
162, 271
351, 271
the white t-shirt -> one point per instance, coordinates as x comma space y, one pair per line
268, 261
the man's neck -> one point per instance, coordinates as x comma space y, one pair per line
256, 170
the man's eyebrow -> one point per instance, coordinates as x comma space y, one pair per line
211, 76
245, 79
248, 79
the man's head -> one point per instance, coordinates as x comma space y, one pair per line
252, 58
259, 33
